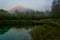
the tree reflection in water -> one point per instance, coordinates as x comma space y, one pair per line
4, 30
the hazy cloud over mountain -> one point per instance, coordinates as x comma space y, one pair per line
33, 4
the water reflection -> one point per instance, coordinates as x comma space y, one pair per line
16, 34
5, 28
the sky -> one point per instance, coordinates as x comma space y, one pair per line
41, 5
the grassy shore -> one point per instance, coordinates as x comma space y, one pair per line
46, 31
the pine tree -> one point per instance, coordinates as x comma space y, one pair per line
56, 8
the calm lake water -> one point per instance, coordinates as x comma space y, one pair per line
16, 34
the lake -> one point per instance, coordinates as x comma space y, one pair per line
16, 34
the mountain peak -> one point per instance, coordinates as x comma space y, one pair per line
15, 8
18, 7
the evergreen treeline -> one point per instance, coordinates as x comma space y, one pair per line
33, 15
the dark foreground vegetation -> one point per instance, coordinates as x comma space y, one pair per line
49, 30
46, 32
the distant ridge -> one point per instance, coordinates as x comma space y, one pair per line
19, 9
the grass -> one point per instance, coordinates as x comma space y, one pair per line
46, 31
